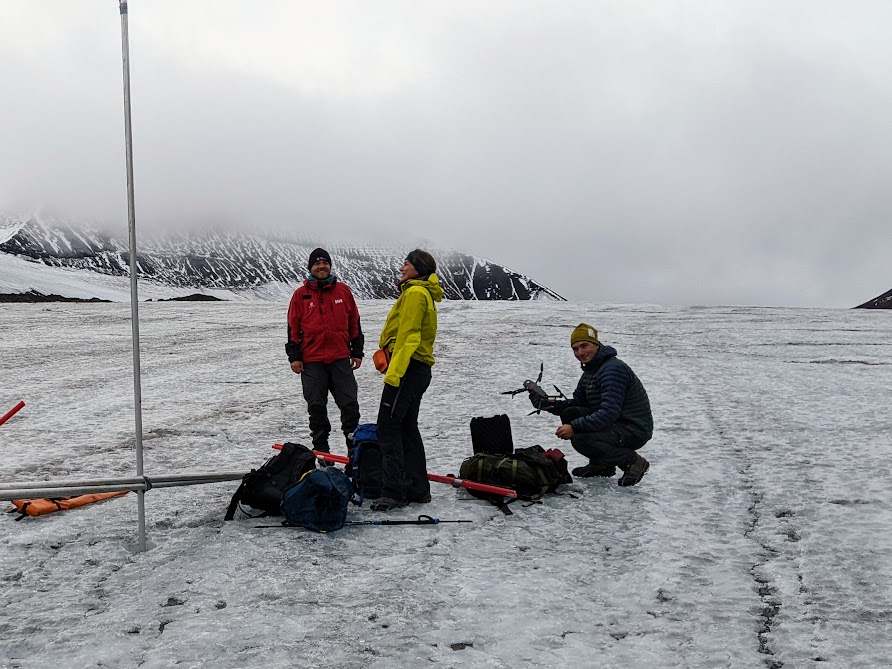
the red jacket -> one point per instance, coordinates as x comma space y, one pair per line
323, 323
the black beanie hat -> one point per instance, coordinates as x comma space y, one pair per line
422, 261
316, 255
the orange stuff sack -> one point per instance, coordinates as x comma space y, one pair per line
43, 506
381, 358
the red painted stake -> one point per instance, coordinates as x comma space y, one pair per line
451, 480
12, 412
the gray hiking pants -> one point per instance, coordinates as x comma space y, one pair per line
614, 446
318, 379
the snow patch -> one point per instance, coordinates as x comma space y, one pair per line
9, 228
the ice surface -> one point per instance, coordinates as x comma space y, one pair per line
759, 538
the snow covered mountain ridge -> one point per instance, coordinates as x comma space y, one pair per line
223, 263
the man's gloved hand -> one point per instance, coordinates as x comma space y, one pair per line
539, 403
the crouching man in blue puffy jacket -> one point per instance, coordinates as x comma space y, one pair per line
608, 418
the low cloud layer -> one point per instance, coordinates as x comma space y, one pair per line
680, 152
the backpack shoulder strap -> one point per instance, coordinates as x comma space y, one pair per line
236, 498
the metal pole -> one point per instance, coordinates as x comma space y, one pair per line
134, 293
73, 491
155, 481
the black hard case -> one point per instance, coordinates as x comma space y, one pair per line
492, 434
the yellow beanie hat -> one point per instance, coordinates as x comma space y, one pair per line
584, 332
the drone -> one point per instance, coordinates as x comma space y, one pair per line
535, 391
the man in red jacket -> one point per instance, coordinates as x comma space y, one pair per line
325, 343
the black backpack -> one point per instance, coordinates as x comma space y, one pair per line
262, 488
365, 463
530, 472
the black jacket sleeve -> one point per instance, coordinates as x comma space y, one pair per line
357, 344
292, 348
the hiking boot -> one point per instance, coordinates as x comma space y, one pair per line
634, 472
386, 504
594, 469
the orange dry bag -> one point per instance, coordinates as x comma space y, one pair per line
45, 505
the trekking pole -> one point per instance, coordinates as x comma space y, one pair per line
422, 520
450, 480
12, 412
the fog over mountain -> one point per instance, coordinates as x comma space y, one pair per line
246, 265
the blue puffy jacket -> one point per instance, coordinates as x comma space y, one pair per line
616, 396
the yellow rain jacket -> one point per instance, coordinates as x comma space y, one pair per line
411, 326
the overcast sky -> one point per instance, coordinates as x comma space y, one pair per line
685, 152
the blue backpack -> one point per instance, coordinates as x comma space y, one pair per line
318, 501
365, 463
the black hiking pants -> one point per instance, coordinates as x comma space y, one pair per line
403, 464
614, 446
318, 379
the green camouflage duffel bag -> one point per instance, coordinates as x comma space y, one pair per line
530, 472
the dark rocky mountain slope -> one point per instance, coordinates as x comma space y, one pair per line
884, 301
249, 265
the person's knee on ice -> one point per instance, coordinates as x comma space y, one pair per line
600, 449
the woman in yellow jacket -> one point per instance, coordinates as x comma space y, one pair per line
409, 333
